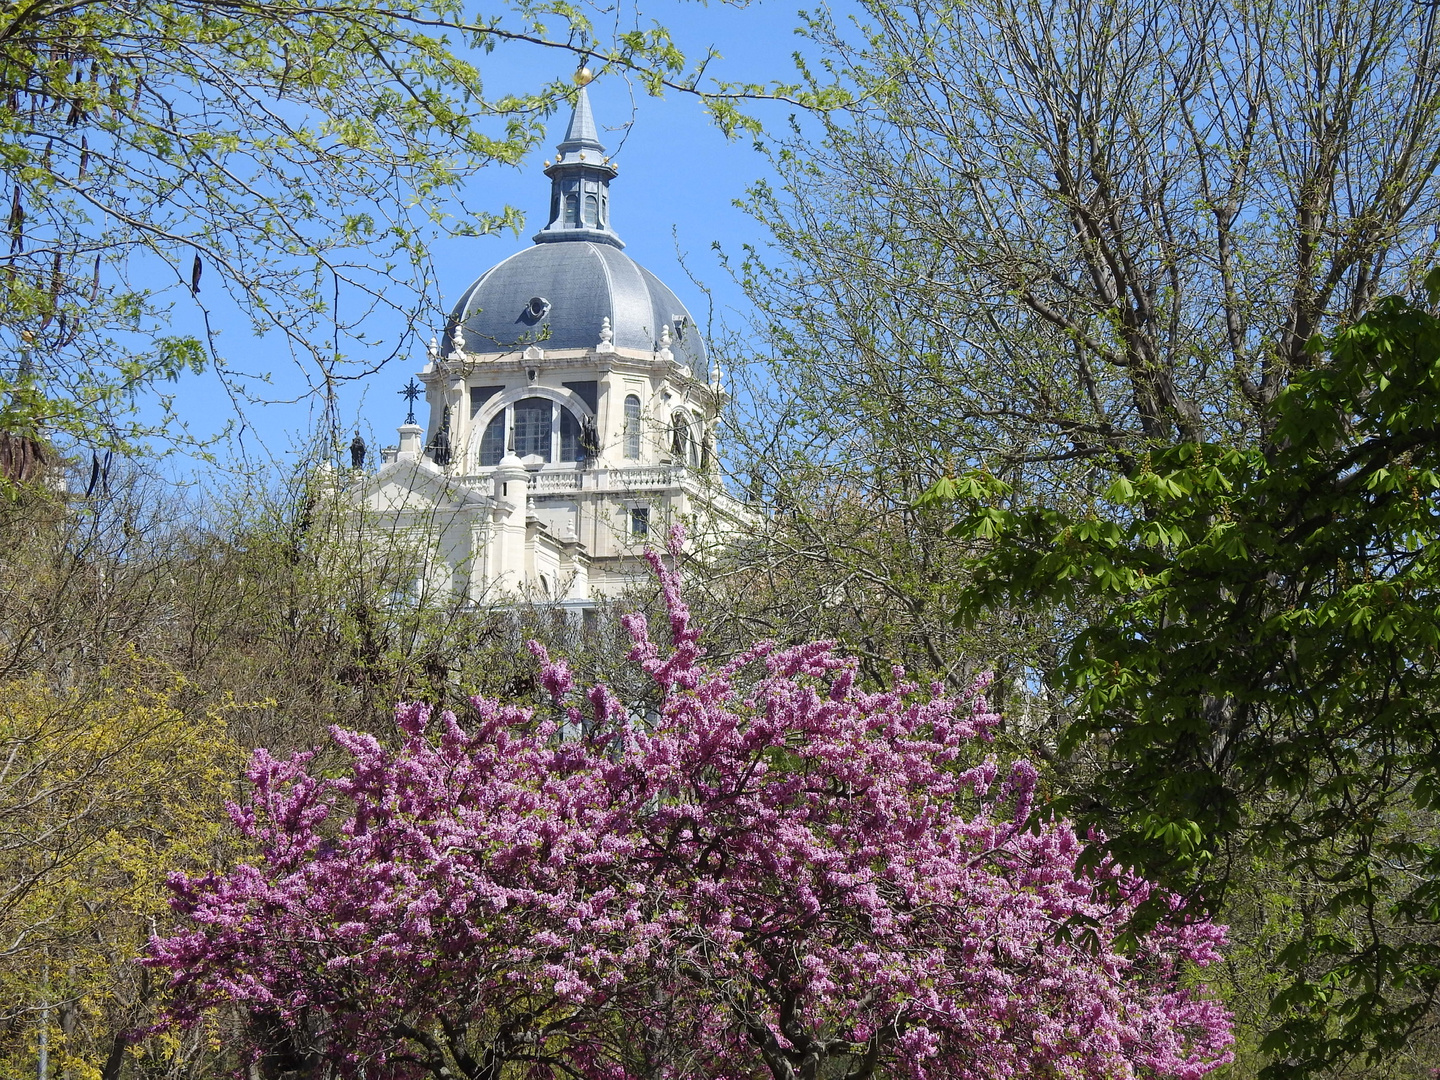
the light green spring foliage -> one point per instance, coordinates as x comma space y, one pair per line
1042, 237
289, 159
102, 791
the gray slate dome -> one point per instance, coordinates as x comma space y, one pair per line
584, 283
558, 293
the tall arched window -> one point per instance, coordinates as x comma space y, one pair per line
492, 443
592, 210
632, 427
532, 427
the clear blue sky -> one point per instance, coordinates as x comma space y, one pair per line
679, 177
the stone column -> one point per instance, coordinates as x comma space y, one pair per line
512, 485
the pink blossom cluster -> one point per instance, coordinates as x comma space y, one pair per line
782, 875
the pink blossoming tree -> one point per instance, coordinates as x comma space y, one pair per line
780, 875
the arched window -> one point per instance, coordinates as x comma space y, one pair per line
572, 209
632, 427
592, 210
532, 428
537, 426
492, 443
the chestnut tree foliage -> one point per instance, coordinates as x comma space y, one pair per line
775, 873
1071, 243
1258, 673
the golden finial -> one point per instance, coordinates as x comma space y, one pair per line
584, 76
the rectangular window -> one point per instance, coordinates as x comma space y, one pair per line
640, 521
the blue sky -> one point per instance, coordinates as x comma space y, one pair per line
679, 177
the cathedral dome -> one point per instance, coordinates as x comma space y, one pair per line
557, 294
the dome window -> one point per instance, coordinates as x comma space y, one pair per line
536, 309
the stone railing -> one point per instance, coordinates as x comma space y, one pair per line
550, 483
640, 477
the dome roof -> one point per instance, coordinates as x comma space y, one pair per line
557, 294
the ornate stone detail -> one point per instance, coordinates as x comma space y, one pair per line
607, 336
457, 343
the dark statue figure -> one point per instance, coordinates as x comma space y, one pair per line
357, 452
440, 445
589, 439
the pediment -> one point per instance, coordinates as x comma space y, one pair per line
415, 487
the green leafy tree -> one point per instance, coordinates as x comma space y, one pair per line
1258, 677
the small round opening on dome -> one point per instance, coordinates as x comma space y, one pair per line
538, 307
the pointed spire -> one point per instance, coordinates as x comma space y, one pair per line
582, 135
580, 180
